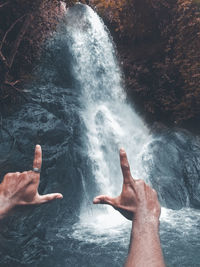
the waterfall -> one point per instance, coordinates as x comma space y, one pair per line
77, 110
110, 121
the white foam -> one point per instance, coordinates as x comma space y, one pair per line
110, 121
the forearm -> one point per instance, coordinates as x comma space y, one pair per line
145, 249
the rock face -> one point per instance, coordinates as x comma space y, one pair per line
158, 42
24, 26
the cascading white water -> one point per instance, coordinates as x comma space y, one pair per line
111, 123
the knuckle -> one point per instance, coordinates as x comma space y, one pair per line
140, 182
148, 187
125, 166
24, 175
9, 175
122, 152
36, 160
103, 199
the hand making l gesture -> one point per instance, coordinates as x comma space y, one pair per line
22, 188
138, 202
136, 198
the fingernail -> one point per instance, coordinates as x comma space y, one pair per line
37, 146
96, 200
59, 196
122, 149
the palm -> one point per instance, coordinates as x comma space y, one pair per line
125, 202
22, 188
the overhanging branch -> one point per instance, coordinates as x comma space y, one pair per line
4, 4
19, 38
10, 29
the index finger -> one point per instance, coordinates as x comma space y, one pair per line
125, 166
37, 162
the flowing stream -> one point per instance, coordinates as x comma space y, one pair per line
78, 111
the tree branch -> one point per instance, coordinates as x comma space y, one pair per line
13, 87
9, 29
4, 61
5, 69
19, 39
4, 4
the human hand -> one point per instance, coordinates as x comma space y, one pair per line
136, 198
22, 188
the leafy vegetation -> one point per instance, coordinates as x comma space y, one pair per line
158, 41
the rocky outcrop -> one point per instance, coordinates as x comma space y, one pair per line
24, 26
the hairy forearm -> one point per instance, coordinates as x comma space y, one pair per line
145, 249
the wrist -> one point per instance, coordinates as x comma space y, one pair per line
5, 205
145, 225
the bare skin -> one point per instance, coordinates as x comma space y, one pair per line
138, 202
22, 188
